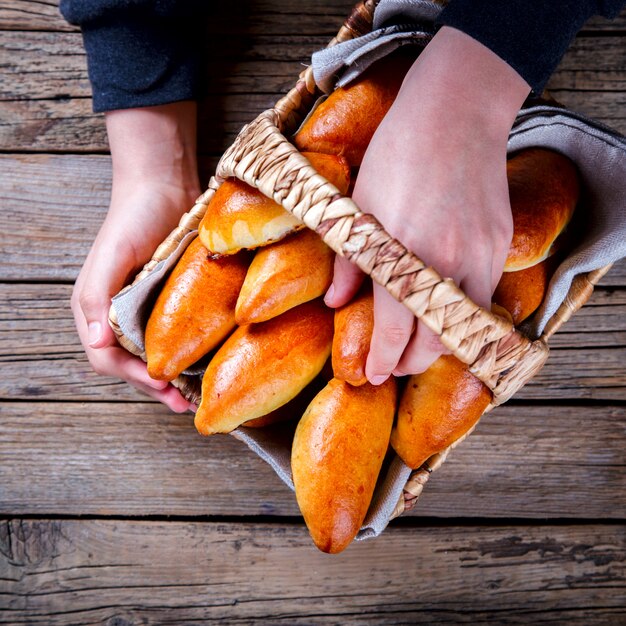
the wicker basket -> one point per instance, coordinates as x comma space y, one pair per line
497, 353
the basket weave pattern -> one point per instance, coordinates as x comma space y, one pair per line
262, 156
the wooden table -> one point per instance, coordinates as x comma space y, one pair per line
114, 511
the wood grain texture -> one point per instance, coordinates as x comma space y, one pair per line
120, 572
69, 125
73, 443
48, 108
49, 65
276, 17
72, 192
580, 373
592, 64
140, 459
56, 203
604, 108
255, 16
65, 125
601, 322
41, 356
32, 15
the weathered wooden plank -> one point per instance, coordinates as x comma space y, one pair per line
46, 236
592, 64
140, 459
46, 65
41, 356
53, 65
580, 373
616, 275
32, 15
57, 125
71, 126
277, 17
61, 125
258, 16
52, 208
592, 81
609, 109
43, 65
121, 572
601, 322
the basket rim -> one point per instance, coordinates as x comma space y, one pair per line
285, 114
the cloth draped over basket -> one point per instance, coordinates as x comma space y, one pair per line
599, 153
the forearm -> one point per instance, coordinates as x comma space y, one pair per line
467, 82
154, 146
530, 35
155, 181
435, 176
140, 53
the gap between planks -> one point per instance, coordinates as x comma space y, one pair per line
141, 459
61, 572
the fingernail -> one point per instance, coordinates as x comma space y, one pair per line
378, 380
94, 332
329, 294
193, 408
158, 384
398, 373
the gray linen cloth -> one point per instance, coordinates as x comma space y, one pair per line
599, 153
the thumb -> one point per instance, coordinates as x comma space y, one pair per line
347, 279
102, 276
95, 309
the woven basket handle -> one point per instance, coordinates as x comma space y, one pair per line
497, 354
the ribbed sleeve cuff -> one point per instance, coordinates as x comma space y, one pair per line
140, 62
530, 35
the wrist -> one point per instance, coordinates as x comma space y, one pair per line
155, 147
470, 81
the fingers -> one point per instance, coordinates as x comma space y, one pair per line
477, 286
421, 352
106, 357
347, 279
99, 280
112, 360
94, 307
170, 397
403, 347
393, 325
115, 361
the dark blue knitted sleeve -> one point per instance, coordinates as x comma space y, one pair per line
139, 52
530, 35
144, 52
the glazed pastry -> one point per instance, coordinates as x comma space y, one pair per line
543, 189
291, 411
346, 121
337, 453
281, 276
262, 366
354, 324
437, 407
521, 293
240, 216
195, 310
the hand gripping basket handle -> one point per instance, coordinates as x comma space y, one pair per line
500, 356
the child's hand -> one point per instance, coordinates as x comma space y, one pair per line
435, 176
155, 181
